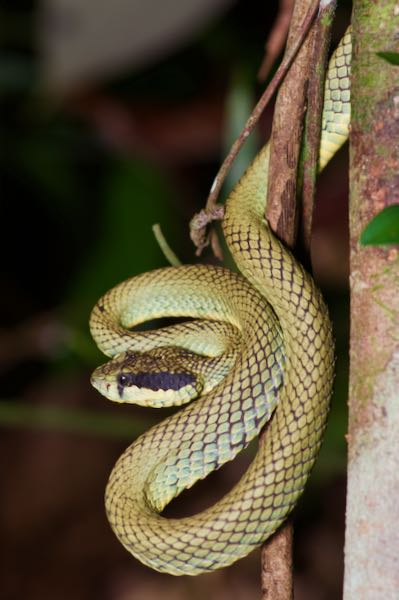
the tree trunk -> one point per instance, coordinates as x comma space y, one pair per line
372, 533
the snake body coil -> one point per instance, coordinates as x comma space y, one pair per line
248, 363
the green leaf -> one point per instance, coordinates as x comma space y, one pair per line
391, 57
383, 228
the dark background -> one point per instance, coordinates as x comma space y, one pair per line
86, 169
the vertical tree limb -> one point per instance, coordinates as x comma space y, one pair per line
277, 568
372, 534
286, 135
283, 215
281, 212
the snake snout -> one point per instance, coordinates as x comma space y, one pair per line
102, 384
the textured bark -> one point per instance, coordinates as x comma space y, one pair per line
372, 533
286, 135
277, 581
281, 212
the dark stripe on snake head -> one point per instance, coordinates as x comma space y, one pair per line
162, 380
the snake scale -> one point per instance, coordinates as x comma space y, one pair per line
258, 349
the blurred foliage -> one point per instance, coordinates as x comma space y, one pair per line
82, 211
240, 101
67, 420
134, 193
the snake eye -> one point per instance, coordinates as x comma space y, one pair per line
123, 379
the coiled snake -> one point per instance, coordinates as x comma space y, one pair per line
259, 346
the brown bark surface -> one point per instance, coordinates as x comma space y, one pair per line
282, 214
277, 568
286, 135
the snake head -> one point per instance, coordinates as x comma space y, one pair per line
159, 377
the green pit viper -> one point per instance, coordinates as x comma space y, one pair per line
258, 349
